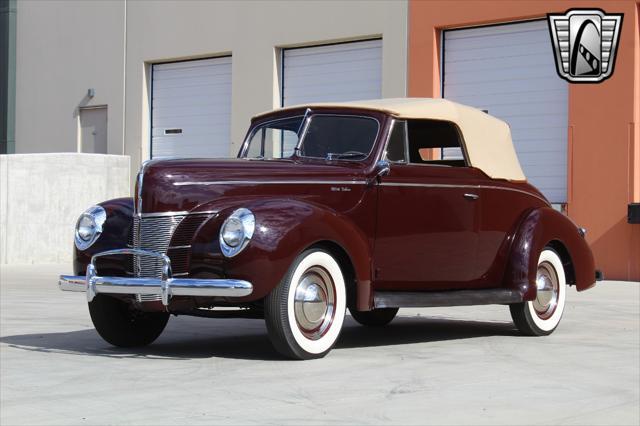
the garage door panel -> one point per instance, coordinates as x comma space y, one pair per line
335, 85
509, 70
341, 72
199, 71
197, 63
186, 122
194, 150
189, 91
332, 70
507, 30
330, 97
543, 159
188, 113
539, 121
194, 97
472, 74
185, 101
499, 37
523, 53
335, 52
497, 87
537, 134
529, 109
208, 131
507, 62
199, 81
180, 101
194, 139
347, 58
514, 98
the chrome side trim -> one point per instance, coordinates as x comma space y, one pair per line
429, 185
444, 185
274, 182
516, 190
428, 299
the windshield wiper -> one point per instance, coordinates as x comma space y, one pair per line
341, 155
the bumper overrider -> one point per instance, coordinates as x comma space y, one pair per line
165, 287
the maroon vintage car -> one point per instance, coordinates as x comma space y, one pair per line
369, 206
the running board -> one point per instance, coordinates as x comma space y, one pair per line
429, 299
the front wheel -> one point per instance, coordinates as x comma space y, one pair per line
305, 312
541, 316
123, 326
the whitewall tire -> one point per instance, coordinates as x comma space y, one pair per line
305, 313
541, 316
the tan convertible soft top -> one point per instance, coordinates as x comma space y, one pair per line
487, 139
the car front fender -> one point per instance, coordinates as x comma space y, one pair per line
115, 235
284, 228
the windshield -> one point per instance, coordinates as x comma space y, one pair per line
331, 137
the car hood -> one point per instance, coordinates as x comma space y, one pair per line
186, 184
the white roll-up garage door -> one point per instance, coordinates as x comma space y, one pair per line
332, 73
509, 71
191, 108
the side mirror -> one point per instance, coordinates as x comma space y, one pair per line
383, 168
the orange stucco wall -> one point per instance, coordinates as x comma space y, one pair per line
604, 119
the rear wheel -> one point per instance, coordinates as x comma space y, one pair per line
541, 316
305, 312
121, 325
375, 317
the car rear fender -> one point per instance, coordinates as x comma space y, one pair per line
540, 228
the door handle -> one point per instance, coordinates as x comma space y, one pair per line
471, 196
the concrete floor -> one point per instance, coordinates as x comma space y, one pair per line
430, 366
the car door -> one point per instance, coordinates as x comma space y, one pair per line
427, 220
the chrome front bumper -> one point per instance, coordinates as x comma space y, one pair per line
165, 287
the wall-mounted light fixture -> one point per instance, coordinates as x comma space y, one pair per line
91, 93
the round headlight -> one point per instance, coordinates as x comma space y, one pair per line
89, 227
86, 227
233, 232
236, 232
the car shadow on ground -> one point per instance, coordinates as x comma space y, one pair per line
191, 338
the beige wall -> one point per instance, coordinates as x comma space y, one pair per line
64, 48
252, 32
67, 47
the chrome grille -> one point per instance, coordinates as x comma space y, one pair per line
152, 233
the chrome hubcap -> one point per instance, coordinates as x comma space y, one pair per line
314, 302
548, 289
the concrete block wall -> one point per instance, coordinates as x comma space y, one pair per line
42, 195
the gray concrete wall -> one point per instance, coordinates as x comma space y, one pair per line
42, 195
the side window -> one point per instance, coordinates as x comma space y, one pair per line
435, 142
397, 145
274, 139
